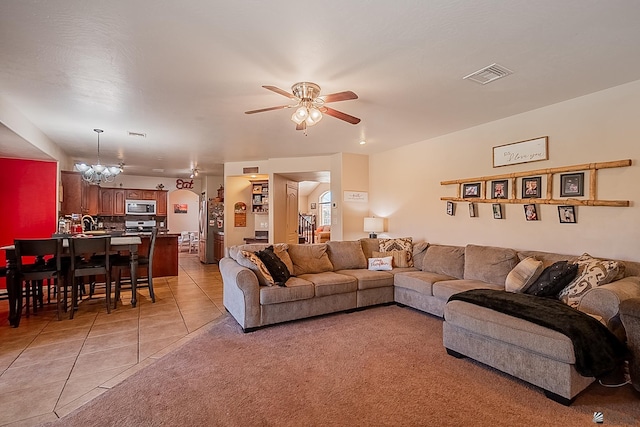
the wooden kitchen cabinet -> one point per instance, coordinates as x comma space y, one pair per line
133, 194
161, 203
118, 202
78, 196
105, 207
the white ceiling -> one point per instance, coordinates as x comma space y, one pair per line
183, 72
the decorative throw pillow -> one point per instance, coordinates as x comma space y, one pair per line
523, 275
264, 277
380, 264
399, 257
592, 272
275, 266
553, 279
281, 249
399, 244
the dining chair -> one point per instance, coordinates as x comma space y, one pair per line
194, 241
35, 272
123, 263
184, 241
89, 257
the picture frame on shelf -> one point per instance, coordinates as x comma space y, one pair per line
471, 190
257, 188
450, 208
500, 189
530, 212
531, 187
567, 214
572, 184
472, 210
497, 210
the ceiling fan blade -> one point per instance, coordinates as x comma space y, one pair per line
339, 96
279, 107
340, 115
280, 91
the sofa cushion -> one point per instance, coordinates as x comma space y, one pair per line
399, 257
592, 272
488, 263
553, 279
419, 281
398, 244
308, 259
381, 264
445, 288
296, 289
442, 259
277, 269
419, 249
345, 255
523, 275
369, 245
368, 279
330, 283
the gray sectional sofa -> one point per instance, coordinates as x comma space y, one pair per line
333, 277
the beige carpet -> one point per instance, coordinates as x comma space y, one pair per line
382, 366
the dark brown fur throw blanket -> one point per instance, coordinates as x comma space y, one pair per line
597, 350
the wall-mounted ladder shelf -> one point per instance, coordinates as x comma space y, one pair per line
548, 200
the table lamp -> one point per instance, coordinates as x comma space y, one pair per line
373, 225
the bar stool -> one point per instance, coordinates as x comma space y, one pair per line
89, 257
121, 263
39, 270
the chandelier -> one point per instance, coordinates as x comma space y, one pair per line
98, 173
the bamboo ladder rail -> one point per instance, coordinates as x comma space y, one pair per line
549, 172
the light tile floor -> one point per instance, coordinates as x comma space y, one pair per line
50, 367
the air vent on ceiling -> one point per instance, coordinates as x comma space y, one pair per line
489, 74
138, 134
157, 170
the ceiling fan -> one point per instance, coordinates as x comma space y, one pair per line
310, 106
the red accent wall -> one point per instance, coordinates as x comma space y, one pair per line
28, 205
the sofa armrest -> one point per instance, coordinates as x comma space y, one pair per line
605, 300
241, 293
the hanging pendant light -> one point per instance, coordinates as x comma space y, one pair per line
98, 173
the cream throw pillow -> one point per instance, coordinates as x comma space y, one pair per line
380, 264
523, 275
399, 257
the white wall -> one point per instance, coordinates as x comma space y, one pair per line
604, 126
179, 222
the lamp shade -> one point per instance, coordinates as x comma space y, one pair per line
373, 225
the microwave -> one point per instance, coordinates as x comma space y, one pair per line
140, 207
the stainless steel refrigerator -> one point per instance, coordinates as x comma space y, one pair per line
210, 223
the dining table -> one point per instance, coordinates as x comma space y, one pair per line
14, 285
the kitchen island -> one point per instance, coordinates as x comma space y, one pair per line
165, 254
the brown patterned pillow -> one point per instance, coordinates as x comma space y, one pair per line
592, 272
399, 257
399, 244
262, 269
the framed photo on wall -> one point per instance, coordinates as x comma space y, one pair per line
471, 190
530, 212
531, 187
572, 184
567, 214
497, 210
472, 210
500, 189
313, 205
450, 208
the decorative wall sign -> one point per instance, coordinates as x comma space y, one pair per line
356, 196
240, 214
532, 150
